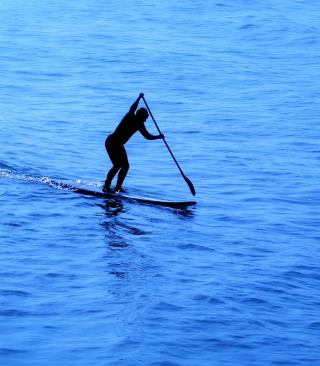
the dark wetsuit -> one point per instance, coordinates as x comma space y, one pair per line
115, 142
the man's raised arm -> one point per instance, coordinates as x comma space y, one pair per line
134, 106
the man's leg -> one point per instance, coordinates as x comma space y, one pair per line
112, 172
114, 152
123, 171
121, 177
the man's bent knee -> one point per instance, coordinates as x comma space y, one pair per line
125, 167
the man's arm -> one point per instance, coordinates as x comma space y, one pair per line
148, 135
134, 106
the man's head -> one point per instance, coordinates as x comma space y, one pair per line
142, 114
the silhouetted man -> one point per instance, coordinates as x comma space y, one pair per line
129, 125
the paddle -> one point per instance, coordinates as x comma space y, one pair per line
191, 187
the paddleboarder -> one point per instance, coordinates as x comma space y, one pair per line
129, 125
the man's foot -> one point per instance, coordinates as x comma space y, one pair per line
120, 190
107, 189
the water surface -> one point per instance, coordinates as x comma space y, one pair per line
234, 280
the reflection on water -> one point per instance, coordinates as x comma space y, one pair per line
117, 226
120, 219
112, 207
185, 214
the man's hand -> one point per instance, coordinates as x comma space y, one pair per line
161, 136
141, 95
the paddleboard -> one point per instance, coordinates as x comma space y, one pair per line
98, 192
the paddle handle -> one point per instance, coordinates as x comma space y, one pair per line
191, 187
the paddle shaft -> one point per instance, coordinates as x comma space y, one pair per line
173, 157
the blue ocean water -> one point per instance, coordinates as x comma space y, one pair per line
234, 88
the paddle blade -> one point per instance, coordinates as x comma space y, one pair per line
191, 187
